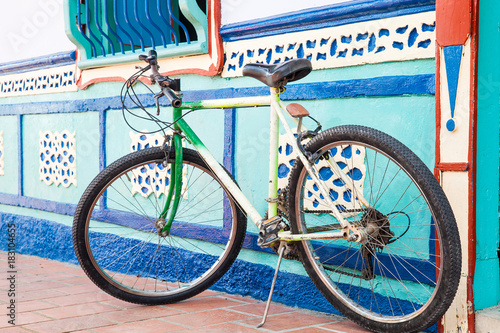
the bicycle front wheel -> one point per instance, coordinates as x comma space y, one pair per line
116, 229
404, 275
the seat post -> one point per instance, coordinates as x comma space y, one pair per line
273, 154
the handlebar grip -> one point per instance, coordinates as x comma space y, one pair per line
174, 100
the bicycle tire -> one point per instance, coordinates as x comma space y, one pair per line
395, 280
117, 241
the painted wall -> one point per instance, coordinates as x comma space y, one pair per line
487, 281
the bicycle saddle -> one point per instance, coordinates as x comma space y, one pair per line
278, 75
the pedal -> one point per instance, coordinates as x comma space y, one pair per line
269, 229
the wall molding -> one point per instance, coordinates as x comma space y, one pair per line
324, 16
398, 38
44, 62
1, 154
420, 84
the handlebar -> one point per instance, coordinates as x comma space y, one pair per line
168, 86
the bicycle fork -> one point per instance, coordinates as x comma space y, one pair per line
174, 190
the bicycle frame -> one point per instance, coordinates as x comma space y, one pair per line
278, 111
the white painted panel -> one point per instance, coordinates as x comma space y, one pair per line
32, 28
234, 11
43, 81
454, 183
391, 39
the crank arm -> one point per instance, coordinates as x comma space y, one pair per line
349, 234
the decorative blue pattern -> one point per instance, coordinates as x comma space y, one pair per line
453, 59
37, 83
339, 192
57, 158
333, 47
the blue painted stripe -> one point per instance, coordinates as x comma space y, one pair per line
229, 136
102, 149
20, 169
423, 84
228, 159
51, 60
102, 139
325, 16
35, 203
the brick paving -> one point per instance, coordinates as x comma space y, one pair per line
57, 297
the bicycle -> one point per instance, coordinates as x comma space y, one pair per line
363, 214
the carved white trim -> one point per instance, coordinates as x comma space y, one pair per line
50, 80
1, 154
58, 158
391, 39
350, 158
155, 176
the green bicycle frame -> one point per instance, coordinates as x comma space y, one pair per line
278, 111
175, 187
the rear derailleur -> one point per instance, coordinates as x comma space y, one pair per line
377, 227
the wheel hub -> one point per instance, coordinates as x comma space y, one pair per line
159, 224
379, 234
377, 227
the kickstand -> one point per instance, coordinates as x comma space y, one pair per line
281, 250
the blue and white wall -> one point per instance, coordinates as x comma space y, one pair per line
373, 65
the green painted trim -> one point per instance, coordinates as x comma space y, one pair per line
487, 275
171, 51
69, 9
196, 17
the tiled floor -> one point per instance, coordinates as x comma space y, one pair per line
53, 297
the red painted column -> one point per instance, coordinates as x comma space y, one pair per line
456, 50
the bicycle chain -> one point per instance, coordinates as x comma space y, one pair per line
347, 273
341, 211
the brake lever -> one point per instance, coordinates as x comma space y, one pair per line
157, 102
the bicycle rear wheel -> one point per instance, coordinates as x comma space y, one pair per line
404, 276
116, 238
